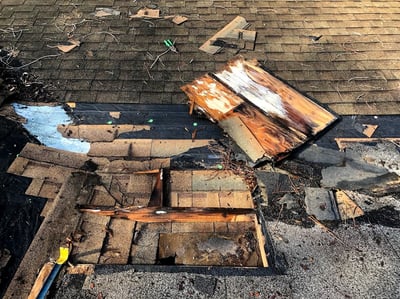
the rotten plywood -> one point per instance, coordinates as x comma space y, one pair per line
208, 249
278, 117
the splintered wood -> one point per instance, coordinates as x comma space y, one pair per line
246, 100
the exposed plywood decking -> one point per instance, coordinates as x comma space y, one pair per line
279, 118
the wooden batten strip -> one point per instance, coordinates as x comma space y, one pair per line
157, 215
41, 280
261, 242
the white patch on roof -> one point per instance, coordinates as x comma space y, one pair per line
42, 122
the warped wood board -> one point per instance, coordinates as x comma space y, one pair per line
279, 117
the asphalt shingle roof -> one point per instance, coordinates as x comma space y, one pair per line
354, 67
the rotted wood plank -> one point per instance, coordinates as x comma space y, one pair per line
214, 98
275, 97
276, 117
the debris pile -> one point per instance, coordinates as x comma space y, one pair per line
16, 84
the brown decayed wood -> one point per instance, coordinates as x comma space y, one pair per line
272, 135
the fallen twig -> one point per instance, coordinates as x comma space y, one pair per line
102, 32
158, 57
28, 64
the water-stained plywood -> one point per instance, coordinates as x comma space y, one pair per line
278, 117
208, 249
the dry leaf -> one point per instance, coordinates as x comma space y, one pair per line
101, 13
65, 48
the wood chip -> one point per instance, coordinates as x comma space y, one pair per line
179, 20
86, 269
146, 13
348, 209
369, 130
116, 114
68, 48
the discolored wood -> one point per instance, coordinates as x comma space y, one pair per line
157, 215
275, 117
